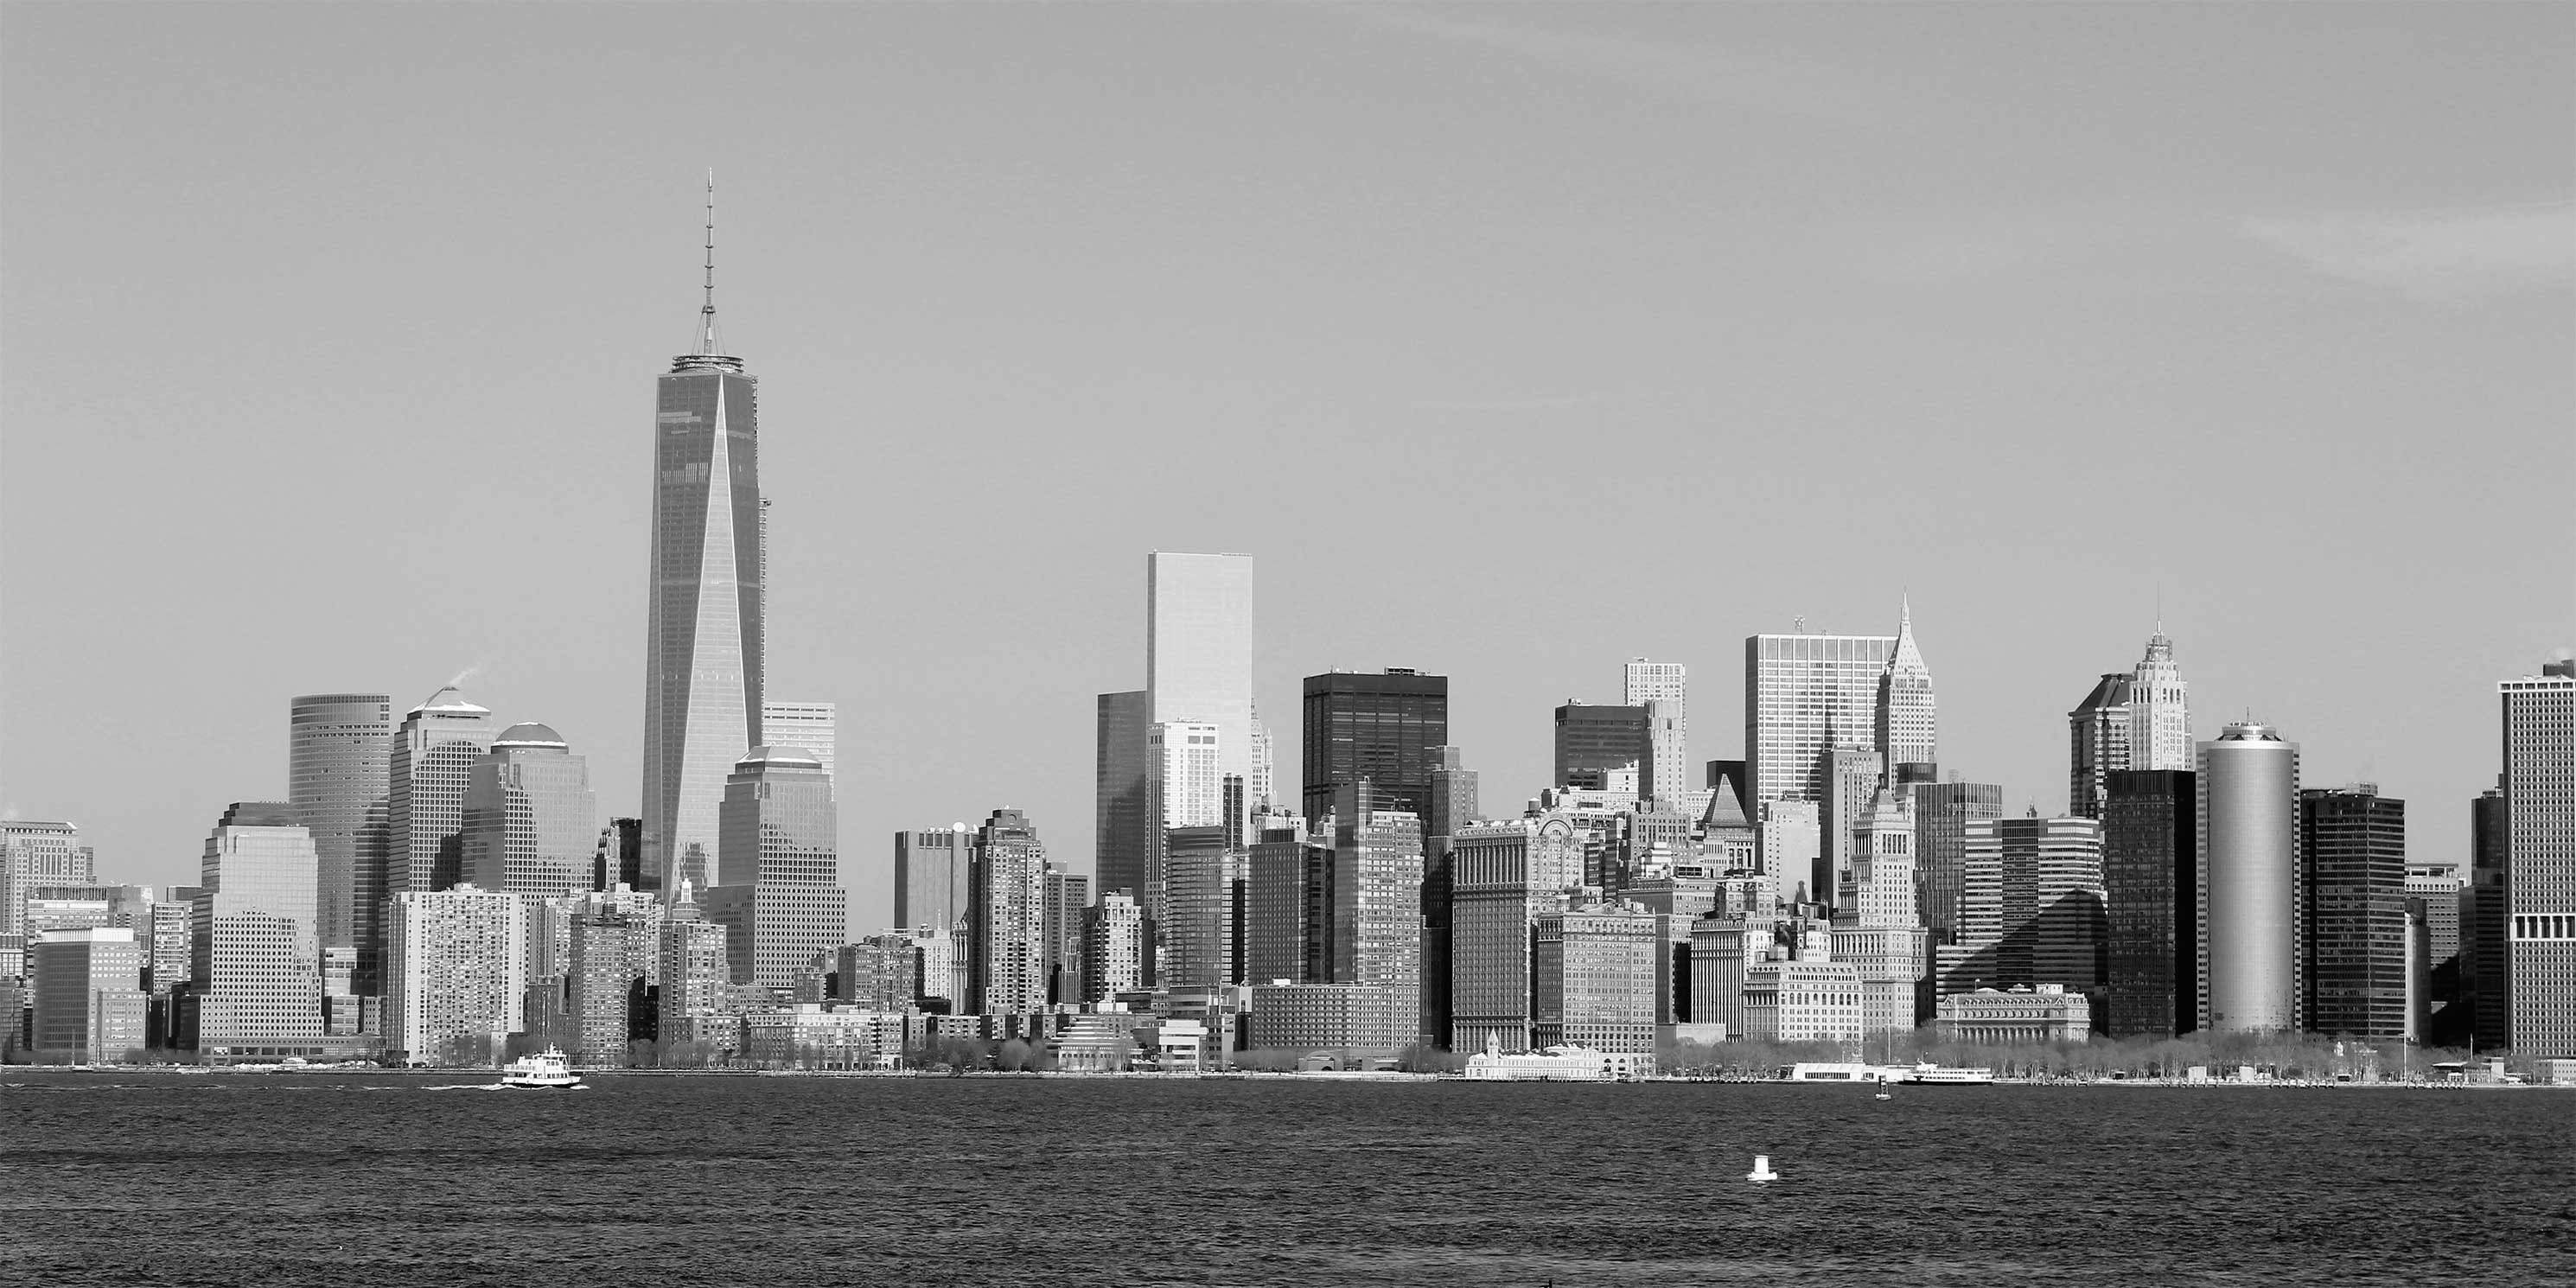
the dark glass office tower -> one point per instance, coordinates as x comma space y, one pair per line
2150, 880
2486, 959
702, 647
1590, 737
1386, 728
2353, 843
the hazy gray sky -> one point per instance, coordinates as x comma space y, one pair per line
1516, 341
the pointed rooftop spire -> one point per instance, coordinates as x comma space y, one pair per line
1906, 656
710, 351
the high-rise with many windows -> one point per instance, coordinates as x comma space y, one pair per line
703, 628
339, 753
2151, 884
257, 957
2540, 846
933, 868
1387, 727
1803, 695
778, 892
2352, 845
530, 821
814, 726
456, 969
1007, 964
2032, 910
2159, 709
432, 762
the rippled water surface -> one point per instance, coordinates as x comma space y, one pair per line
323, 1179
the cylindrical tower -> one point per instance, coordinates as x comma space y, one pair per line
2249, 839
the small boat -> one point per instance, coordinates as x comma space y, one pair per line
547, 1070
1761, 1170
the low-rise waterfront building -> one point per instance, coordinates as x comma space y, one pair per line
2020, 1015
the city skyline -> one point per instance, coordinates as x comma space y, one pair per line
941, 720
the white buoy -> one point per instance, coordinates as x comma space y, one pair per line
1762, 1169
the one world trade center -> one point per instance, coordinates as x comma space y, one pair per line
702, 669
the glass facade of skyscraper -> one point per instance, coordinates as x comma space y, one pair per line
1387, 728
1802, 695
339, 751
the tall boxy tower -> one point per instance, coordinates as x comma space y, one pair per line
339, 747
433, 759
2540, 858
2249, 896
702, 644
779, 894
1387, 728
1804, 695
531, 821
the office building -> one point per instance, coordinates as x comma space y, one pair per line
1792, 844
2249, 894
1198, 649
37, 854
2151, 885
814, 726
779, 892
933, 876
1277, 913
704, 638
88, 1002
2540, 838
1904, 719
1598, 975
1388, 728
168, 946
1067, 894
530, 820
2137, 719
2352, 842
257, 956
1853, 776
2486, 953
1113, 948
1802, 1000
1668, 734
1504, 876
1200, 935
2097, 743
339, 758
456, 971
1182, 789
1007, 920
1803, 695
1876, 926
427, 773
1942, 812
618, 859
1590, 738
2159, 709
2032, 908
1123, 824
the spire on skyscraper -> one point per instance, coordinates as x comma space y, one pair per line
1905, 714
710, 352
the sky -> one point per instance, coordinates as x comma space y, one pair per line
1515, 341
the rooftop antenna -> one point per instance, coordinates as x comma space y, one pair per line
707, 315
710, 353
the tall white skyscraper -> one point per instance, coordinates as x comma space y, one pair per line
2540, 857
815, 726
1905, 728
2159, 710
1198, 648
1182, 783
703, 640
1805, 694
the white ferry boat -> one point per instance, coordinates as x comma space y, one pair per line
1933, 1075
547, 1070
1841, 1071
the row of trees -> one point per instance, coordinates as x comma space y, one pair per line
2284, 1055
